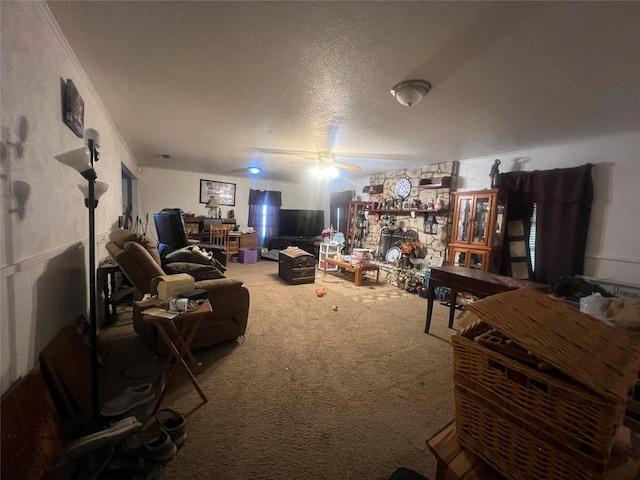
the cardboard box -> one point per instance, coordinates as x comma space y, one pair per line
168, 286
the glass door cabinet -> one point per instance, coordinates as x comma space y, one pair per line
478, 226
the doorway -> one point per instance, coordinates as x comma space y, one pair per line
130, 218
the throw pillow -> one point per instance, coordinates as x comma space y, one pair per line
197, 271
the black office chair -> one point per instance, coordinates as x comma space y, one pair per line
172, 235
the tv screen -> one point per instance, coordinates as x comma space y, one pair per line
301, 223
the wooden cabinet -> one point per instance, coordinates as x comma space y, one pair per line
242, 240
250, 240
194, 225
356, 226
478, 230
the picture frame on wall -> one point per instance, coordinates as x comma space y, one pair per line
73, 109
224, 192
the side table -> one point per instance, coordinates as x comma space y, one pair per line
178, 341
106, 280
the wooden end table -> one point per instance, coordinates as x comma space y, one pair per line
356, 269
178, 341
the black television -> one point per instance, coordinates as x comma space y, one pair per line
301, 223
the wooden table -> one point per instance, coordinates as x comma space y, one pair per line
478, 283
356, 269
178, 341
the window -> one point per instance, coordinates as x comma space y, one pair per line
264, 213
532, 238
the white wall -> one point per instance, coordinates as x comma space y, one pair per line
614, 230
161, 188
44, 254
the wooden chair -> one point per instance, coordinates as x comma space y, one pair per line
219, 235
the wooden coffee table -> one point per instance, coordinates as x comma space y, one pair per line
356, 269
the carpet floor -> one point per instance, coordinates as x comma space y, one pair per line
311, 392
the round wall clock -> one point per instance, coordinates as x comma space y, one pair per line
402, 188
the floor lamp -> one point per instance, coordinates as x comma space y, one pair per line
82, 160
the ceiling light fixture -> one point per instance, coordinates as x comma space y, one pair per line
254, 170
410, 92
326, 172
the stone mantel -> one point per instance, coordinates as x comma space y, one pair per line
436, 244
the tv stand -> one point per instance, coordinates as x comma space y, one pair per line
305, 243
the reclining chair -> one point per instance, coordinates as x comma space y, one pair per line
139, 260
172, 235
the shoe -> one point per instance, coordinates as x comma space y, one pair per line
130, 398
152, 444
173, 423
92, 466
90, 443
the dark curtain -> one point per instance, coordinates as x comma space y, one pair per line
340, 200
264, 214
563, 197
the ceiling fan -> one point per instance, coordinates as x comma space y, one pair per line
326, 158
323, 159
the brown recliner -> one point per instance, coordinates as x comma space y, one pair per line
138, 258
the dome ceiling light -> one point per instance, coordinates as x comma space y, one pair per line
410, 92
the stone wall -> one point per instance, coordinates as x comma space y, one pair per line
436, 244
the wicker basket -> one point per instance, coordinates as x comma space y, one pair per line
531, 424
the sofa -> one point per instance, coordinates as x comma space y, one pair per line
139, 259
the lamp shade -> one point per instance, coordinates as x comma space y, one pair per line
410, 92
212, 202
80, 160
99, 190
92, 134
254, 170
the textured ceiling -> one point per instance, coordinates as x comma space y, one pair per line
220, 85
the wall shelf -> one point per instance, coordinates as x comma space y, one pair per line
440, 182
443, 211
373, 189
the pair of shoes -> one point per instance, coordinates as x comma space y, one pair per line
173, 423
130, 398
151, 444
90, 443
92, 466
131, 467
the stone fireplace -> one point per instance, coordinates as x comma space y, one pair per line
390, 224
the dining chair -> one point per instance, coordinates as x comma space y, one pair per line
219, 235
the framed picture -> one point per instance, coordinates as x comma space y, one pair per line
224, 192
73, 109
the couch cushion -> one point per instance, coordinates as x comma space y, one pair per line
121, 237
196, 270
140, 263
193, 254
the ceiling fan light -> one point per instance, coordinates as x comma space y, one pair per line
410, 92
254, 170
331, 173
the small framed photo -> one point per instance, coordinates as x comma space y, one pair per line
224, 192
73, 109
